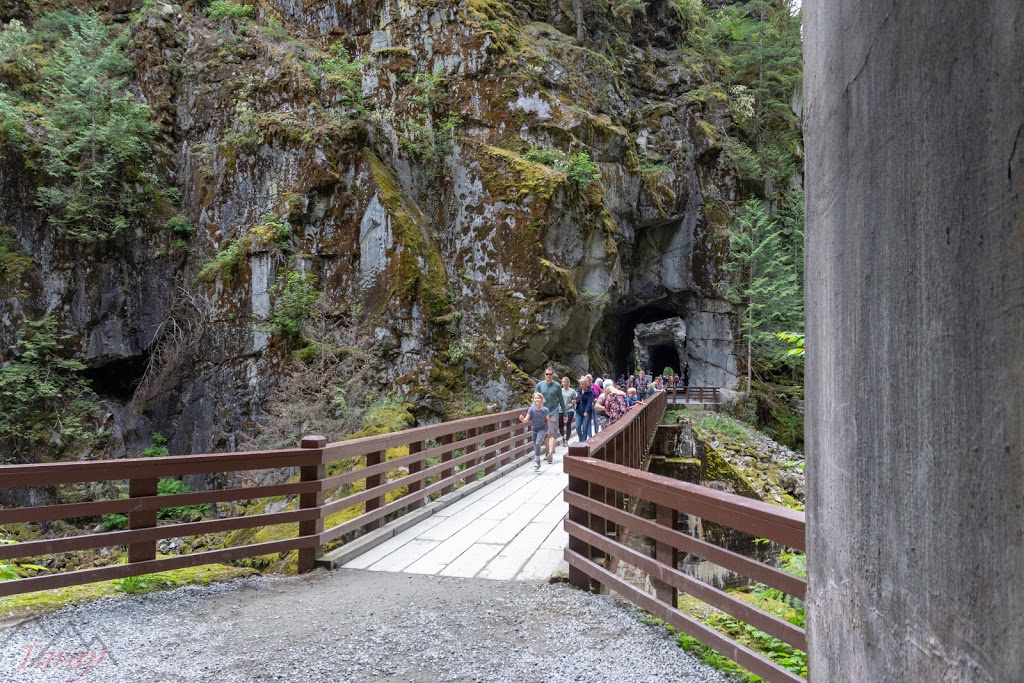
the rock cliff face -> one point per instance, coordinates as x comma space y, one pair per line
412, 211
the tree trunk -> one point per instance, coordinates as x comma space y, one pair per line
581, 29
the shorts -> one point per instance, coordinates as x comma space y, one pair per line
553, 422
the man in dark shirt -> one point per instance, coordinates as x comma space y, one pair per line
552, 392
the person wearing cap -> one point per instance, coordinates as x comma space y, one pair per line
552, 393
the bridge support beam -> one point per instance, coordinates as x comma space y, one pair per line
915, 339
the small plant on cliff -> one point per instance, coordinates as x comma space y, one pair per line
44, 400
544, 155
295, 297
14, 263
430, 134
270, 234
624, 8
345, 74
594, 299
431, 141
226, 9
158, 449
224, 264
578, 167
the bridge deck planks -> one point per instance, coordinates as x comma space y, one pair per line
511, 530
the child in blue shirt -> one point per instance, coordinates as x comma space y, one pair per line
537, 416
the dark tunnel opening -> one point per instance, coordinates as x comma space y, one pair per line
622, 332
117, 379
664, 356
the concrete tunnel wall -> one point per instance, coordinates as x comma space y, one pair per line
915, 338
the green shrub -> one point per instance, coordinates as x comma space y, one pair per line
165, 487
115, 521
294, 299
581, 170
170, 487
578, 168
544, 155
227, 9
179, 225
224, 265
430, 141
90, 135
44, 400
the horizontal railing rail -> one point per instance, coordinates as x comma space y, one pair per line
441, 458
607, 482
693, 394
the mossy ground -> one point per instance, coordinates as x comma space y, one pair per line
41, 602
760, 476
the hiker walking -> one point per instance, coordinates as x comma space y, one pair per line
551, 391
537, 415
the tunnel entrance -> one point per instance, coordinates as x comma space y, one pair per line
664, 356
629, 338
676, 331
623, 339
117, 379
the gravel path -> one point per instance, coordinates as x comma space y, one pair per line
351, 625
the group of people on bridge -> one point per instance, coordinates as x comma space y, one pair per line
556, 408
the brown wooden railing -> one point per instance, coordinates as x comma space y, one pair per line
692, 394
608, 477
440, 458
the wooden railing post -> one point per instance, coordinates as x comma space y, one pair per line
471, 448
446, 457
667, 555
492, 455
142, 519
373, 481
577, 577
416, 486
312, 527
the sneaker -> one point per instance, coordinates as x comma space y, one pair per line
536, 466
549, 459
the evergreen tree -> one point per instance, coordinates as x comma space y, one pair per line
44, 400
750, 54
93, 135
766, 269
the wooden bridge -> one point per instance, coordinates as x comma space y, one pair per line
439, 478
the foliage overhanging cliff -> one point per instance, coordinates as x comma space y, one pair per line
248, 221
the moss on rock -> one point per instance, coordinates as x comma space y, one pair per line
419, 274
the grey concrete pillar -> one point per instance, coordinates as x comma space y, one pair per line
915, 336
